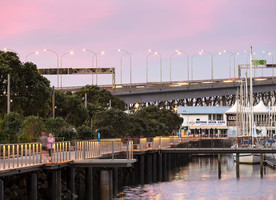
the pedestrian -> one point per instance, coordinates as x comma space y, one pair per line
43, 140
51, 145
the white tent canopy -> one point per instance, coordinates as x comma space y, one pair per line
234, 109
260, 108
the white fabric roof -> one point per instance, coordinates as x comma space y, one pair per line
234, 109
260, 108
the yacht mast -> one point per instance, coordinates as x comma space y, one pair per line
251, 98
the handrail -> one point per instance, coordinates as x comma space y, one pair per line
29, 154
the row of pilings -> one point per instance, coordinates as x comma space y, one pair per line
71, 182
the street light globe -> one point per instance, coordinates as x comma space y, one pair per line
269, 53
149, 50
238, 53
102, 52
155, 52
5, 49
136, 105
71, 52
84, 50
219, 53
119, 50
45, 50
36, 52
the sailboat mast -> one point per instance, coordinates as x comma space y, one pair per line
251, 96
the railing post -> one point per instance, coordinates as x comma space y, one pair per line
76, 152
4, 156
112, 150
84, 149
127, 150
69, 150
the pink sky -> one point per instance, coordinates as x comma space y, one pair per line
64, 25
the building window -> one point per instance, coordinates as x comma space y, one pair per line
219, 117
209, 117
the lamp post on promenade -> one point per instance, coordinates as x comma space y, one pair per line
130, 65
156, 53
183, 52
96, 55
67, 53
35, 52
49, 50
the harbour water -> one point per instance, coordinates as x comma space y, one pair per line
198, 179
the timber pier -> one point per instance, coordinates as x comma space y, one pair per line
150, 158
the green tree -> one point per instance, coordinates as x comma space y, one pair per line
68, 133
71, 108
98, 99
112, 123
30, 92
55, 125
11, 127
85, 133
32, 127
166, 119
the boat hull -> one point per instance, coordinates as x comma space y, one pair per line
248, 158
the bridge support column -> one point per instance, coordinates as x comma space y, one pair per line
71, 179
32, 187
2, 192
165, 161
169, 161
115, 180
154, 167
106, 184
262, 165
89, 183
142, 168
219, 167
149, 168
237, 165
53, 185
160, 166
59, 184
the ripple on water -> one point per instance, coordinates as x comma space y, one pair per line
199, 182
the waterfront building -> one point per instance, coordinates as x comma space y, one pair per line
203, 120
225, 121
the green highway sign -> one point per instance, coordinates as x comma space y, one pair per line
258, 62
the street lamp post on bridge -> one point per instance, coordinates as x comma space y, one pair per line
67, 53
231, 54
268, 54
49, 50
183, 52
35, 52
156, 53
212, 67
192, 65
130, 66
96, 55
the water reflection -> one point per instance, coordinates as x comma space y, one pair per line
199, 180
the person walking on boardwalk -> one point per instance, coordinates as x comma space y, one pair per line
50, 145
43, 140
